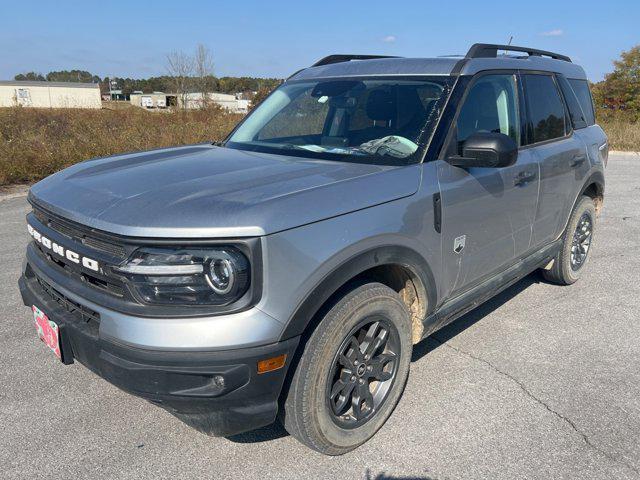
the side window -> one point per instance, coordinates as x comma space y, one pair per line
578, 118
581, 88
491, 105
545, 107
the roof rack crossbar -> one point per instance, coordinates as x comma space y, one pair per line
490, 50
347, 58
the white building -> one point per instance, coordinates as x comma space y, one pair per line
189, 100
49, 94
227, 101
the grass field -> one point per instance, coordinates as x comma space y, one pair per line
623, 130
35, 143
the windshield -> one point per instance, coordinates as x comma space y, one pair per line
366, 120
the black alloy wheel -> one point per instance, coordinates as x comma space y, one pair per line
581, 241
363, 371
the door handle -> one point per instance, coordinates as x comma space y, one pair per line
578, 160
523, 178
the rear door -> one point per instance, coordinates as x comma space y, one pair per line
561, 154
487, 213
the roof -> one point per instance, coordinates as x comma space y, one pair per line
33, 83
381, 66
438, 66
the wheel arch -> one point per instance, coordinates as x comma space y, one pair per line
594, 188
399, 267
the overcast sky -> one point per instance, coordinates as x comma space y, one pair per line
275, 38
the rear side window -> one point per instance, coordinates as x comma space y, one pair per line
578, 118
545, 107
581, 89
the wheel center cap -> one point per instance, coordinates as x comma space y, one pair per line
361, 369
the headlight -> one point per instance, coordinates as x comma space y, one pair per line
187, 276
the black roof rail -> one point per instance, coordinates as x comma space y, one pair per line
490, 50
347, 58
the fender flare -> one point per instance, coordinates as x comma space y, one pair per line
359, 263
597, 178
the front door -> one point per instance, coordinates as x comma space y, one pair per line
487, 213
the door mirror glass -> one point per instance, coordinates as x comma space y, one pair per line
487, 150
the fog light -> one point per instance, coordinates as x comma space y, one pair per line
271, 364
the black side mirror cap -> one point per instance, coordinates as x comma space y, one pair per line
487, 150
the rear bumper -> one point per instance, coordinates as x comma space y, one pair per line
217, 392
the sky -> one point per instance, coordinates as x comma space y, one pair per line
275, 38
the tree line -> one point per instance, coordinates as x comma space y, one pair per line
185, 73
164, 83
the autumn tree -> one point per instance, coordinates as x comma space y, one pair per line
621, 88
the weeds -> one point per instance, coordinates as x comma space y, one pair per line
35, 143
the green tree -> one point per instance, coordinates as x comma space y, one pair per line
30, 76
81, 76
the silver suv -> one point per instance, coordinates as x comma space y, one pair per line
288, 271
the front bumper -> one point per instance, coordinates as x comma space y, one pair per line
217, 392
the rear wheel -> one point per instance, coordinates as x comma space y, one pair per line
352, 371
569, 263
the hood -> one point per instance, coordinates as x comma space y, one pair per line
205, 191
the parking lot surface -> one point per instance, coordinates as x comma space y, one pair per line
540, 382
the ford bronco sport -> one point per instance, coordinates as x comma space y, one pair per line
288, 271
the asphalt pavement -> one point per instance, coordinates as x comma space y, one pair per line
540, 382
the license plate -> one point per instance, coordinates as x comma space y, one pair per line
48, 331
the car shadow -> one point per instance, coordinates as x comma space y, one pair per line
276, 430
384, 476
468, 319
263, 434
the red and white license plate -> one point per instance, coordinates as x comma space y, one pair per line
48, 331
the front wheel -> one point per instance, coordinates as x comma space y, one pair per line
352, 371
577, 239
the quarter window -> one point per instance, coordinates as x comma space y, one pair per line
578, 119
546, 110
581, 88
491, 106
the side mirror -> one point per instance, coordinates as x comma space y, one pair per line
487, 150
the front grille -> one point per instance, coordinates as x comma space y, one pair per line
85, 313
79, 234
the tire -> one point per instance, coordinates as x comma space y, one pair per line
566, 269
312, 410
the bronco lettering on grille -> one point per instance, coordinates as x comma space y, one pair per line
62, 251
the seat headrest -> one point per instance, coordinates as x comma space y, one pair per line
381, 105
